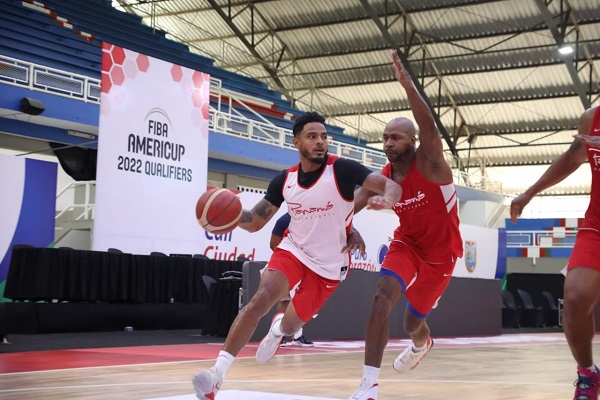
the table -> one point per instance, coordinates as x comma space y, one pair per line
222, 307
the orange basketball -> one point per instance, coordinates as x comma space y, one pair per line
219, 211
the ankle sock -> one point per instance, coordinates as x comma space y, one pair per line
594, 369
276, 329
298, 334
224, 361
416, 349
370, 374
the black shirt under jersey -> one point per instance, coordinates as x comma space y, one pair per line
348, 173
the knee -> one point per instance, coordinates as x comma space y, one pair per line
260, 303
382, 305
577, 302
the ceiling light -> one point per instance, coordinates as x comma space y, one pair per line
565, 49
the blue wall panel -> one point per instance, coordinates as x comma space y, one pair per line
57, 107
269, 156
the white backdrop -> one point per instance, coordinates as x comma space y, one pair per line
152, 153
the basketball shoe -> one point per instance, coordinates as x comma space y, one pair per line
302, 341
366, 391
587, 385
283, 342
207, 383
270, 343
408, 359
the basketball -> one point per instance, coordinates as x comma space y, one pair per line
219, 211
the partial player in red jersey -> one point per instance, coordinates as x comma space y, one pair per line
426, 244
582, 283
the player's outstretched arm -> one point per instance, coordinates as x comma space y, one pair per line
430, 153
253, 220
593, 141
377, 183
560, 168
429, 135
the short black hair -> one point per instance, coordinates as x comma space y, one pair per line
306, 118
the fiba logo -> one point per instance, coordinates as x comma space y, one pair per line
383, 249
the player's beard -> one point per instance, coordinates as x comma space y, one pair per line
316, 160
394, 156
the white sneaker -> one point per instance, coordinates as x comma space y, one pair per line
207, 383
408, 359
270, 343
366, 391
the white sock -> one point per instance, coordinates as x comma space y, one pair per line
224, 361
298, 334
416, 349
370, 374
276, 328
594, 369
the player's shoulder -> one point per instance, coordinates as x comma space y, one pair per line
341, 161
590, 113
587, 119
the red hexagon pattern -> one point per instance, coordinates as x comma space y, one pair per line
121, 65
177, 72
143, 62
130, 68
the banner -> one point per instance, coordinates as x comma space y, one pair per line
375, 227
152, 153
27, 206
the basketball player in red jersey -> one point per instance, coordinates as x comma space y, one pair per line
426, 244
582, 283
319, 192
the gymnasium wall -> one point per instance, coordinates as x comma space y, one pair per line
469, 307
27, 204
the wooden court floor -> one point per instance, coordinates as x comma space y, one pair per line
507, 367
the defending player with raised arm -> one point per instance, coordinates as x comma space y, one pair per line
426, 244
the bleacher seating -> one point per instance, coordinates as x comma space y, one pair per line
67, 34
31, 36
104, 23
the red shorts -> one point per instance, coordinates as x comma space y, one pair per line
422, 283
313, 290
586, 251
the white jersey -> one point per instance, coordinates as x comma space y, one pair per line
320, 221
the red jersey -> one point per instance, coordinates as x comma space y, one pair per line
428, 214
592, 215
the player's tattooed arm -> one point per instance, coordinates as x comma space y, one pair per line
253, 220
